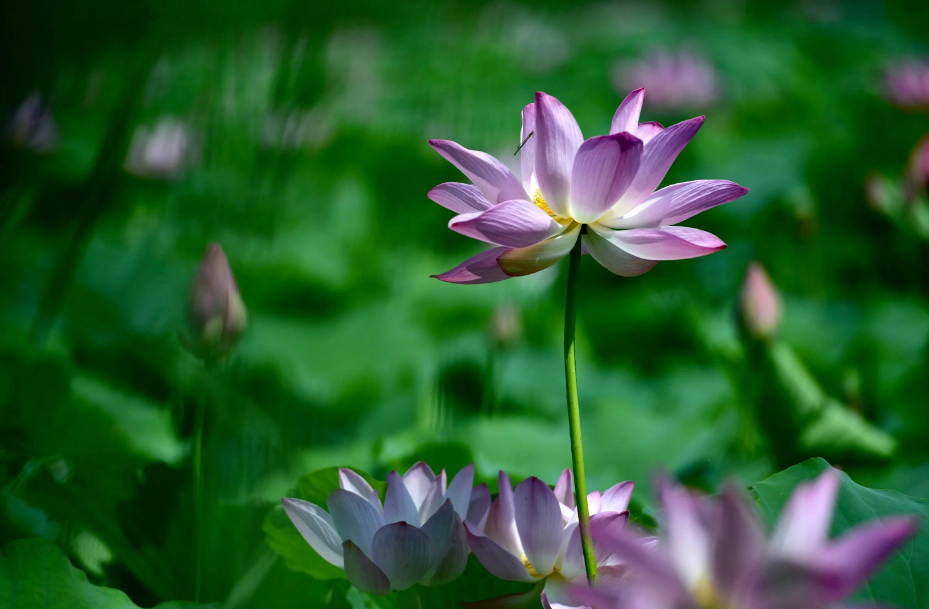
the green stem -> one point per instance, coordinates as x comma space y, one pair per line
198, 494
574, 417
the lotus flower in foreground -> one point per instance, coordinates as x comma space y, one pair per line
714, 554
601, 189
531, 533
416, 536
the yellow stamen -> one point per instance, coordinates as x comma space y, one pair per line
539, 201
705, 595
528, 564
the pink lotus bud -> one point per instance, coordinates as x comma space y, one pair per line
761, 304
216, 314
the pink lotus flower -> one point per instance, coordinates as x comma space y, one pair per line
760, 302
602, 189
674, 79
906, 84
715, 554
415, 537
531, 533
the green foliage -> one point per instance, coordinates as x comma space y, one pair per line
904, 581
34, 572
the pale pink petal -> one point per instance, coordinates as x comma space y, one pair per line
738, 544
501, 521
803, 525
362, 572
647, 131
351, 481
511, 223
650, 565
538, 520
495, 558
482, 268
450, 565
604, 166
418, 479
613, 258
626, 117
479, 506
490, 175
602, 526
527, 260
316, 527
398, 504
557, 139
459, 491
678, 202
354, 518
657, 157
665, 243
593, 502
527, 152
403, 552
434, 498
616, 498
564, 488
460, 198
687, 537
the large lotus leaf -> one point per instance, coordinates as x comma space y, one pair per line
904, 580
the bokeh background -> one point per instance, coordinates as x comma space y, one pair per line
295, 134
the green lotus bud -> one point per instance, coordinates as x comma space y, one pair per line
216, 314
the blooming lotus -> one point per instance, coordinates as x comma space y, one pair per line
601, 190
416, 536
715, 554
531, 533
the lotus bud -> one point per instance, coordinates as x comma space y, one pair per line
506, 326
32, 126
918, 171
216, 314
761, 304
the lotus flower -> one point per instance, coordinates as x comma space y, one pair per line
760, 303
531, 533
160, 152
714, 554
415, 537
674, 79
906, 84
602, 188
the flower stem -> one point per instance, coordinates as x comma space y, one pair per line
198, 493
574, 417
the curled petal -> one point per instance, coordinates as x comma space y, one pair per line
557, 139
527, 151
354, 518
482, 268
804, 523
616, 498
362, 572
613, 258
564, 488
398, 504
538, 520
459, 491
647, 131
316, 527
626, 117
603, 168
479, 506
665, 243
490, 175
535, 258
460, 198
678, 202
495, 558
403, 552
657, 157
511, 223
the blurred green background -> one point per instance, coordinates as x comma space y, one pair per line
295, 134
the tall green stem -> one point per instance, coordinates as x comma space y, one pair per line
198, 493
574, 417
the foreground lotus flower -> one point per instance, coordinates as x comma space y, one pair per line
531, 533
415, 537
601, 189
714, 554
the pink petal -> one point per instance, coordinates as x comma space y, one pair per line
460, 198
678, 202
604, 166
479, 506
490, 175
538, 520
519, 600
564, 488
501, 521
593, 502
482, 268
626, 117
449, 545
686, 535
601, 526
613, 258
738, 544
665, 243
495, 558
354, 518
616, 498
527, 152
527, 260
362, 572
803, 525
403, 552
398, 504
351, 481
657, 157
316, 527
649, 564
511, 224
435, 497
459, 491
647, 131
558, 138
